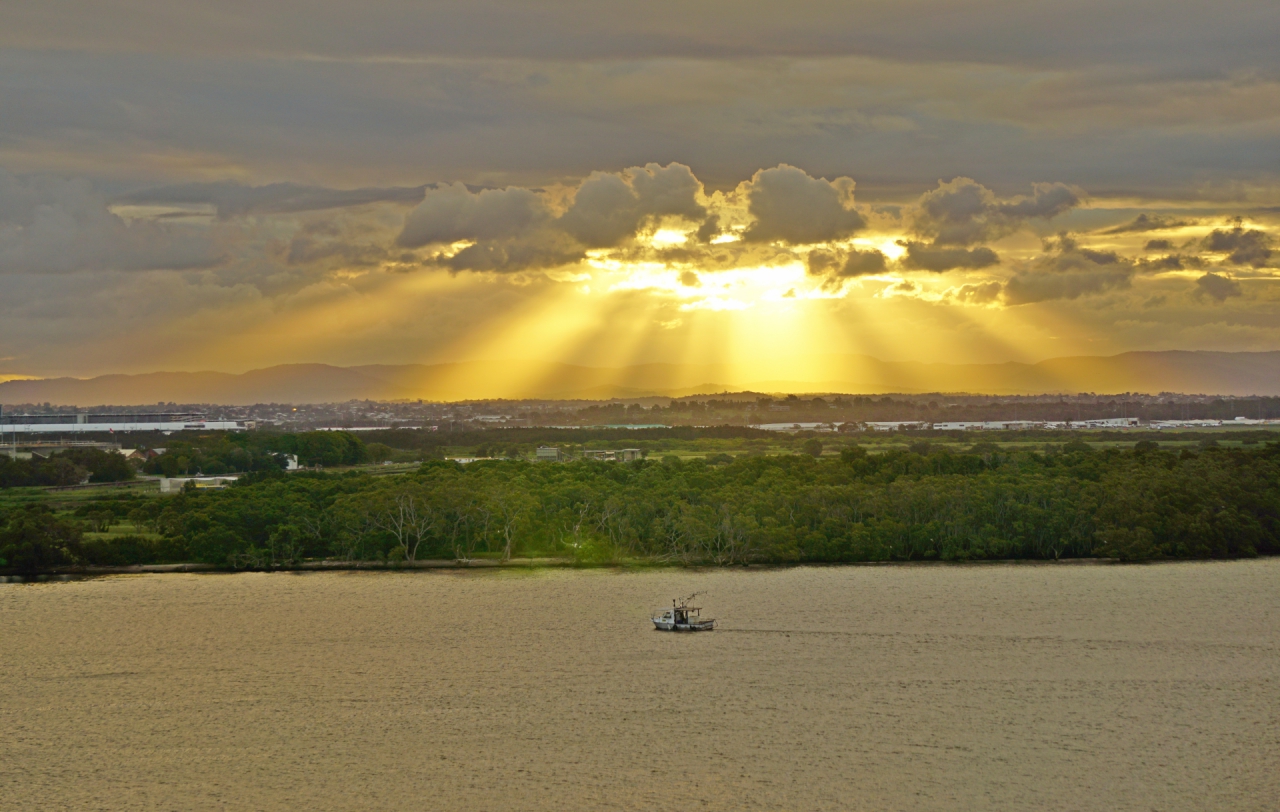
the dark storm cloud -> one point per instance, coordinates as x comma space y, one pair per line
1158, 245
964, 212
515, 229
1068, 271
1218, 288
846, 264
862, 263
1148, 222
539, 250
1170, 262
1028, 288
922, 257
709, 230
1242, 246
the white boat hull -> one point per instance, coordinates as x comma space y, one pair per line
671, 626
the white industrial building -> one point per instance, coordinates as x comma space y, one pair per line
1028, 425
83, 423
618, 455
1106, 423
797, 426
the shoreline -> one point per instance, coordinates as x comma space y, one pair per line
78, 573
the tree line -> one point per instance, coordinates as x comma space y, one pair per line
904, 505
70, 467
210, 455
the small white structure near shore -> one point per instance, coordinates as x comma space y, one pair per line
177, 483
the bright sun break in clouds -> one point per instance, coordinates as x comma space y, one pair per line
764, 190
646, 264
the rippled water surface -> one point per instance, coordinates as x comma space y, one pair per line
878, 688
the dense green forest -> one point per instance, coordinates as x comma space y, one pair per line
214, 455
70, 467
926, 503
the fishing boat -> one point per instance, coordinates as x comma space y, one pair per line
682, 617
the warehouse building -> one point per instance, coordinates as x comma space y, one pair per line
84, 422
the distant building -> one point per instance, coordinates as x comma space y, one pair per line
1110, 423
992, 425
177, 483
139, 454
619, 455
547, 454
895, 425
79, 423
794, 427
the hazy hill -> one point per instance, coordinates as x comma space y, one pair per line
1224, 373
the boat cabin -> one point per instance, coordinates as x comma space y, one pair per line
682, 617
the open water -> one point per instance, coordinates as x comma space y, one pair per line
1027, 687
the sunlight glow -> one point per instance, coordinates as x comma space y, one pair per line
715, 303
668, 236
891, 247
777, 325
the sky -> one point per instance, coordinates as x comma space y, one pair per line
233, 185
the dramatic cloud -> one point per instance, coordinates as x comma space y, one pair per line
709, 230
1147, 222
647, 244
515, 229
50, 225
1171, 262
541, 249
861, 263
1243, 246
610, 208
297, 165
791, 207
1068, 271
921, 257
454, 213
837, 265
983, 293
963, 212
510, 230
1218, 288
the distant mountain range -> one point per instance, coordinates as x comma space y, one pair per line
1222, 373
